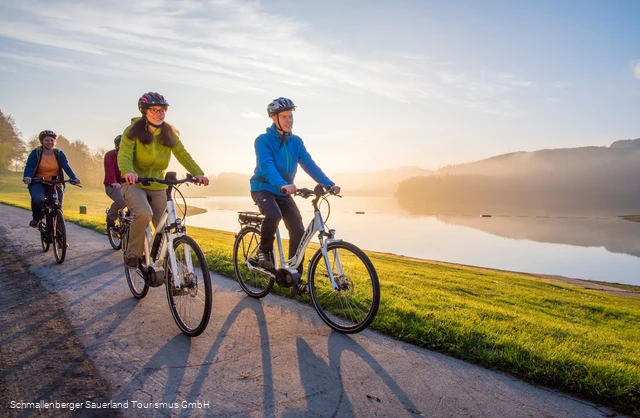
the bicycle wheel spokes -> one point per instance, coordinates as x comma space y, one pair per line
191, 303
135, 278
353, 305
137, 284
114, 235
44, 235
245, 254
59, 237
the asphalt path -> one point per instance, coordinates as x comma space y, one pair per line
257, 358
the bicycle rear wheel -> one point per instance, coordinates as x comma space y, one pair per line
59, 236
191, 303
138, 285
353, 306
245, 250
43, 227
115, 238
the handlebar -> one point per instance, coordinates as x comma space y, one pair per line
167, 180
53, 182
319, 190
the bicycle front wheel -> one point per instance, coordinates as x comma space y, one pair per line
59, 236
135, 277
114, 235
190, 304
353, 305
245, 254
43, 226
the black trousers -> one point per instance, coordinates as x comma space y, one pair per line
38, 193
276, 208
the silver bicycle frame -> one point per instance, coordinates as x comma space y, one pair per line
168, 218
315, 226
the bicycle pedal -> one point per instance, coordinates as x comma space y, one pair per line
299, 290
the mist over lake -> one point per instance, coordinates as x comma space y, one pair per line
599, 246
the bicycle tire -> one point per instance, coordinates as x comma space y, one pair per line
43, 227
190, 305
352, 307
136, 280
114, 234
59, 239
255, 284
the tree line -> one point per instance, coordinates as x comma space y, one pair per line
86, 163
615, 189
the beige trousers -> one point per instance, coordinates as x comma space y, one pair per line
143, 212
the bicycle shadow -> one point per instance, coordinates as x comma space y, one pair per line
317, 376
246, 303
171, 359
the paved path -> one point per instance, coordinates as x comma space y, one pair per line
257, 358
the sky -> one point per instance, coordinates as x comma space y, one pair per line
378, 84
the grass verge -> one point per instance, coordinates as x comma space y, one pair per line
580, 341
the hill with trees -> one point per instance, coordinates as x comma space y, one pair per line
568, 180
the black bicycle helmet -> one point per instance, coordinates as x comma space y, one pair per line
151, 99
280, 105
116, 140
47, 133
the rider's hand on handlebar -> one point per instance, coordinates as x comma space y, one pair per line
26, 180
335, 189
289, 189
203, 180
75, 181
131, 178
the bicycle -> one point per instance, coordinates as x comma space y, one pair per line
172, 258
341, 279
51, 226
114, 233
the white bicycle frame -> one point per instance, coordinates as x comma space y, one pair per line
164, 228
316, 225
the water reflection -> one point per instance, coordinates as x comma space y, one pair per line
597, 247
614, 234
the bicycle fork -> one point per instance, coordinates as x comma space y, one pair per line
336, 263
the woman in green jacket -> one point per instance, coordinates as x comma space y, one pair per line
145, 151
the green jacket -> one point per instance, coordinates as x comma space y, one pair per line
152, 159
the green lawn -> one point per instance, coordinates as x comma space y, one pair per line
580, 341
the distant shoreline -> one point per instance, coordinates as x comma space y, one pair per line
632, 218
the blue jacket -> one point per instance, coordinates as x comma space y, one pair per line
277, 159
33, 161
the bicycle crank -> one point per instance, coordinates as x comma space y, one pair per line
287, 278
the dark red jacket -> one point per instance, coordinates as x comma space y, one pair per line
111, 170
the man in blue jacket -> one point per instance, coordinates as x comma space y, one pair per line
278, 153
45, 162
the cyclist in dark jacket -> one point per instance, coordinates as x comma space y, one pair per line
278, 153
112, 186
45, 162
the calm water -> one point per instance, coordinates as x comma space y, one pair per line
603, 248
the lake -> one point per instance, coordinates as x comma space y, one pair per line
599, 247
